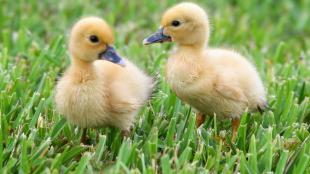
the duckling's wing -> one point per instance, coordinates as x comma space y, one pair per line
123, 107
230, 91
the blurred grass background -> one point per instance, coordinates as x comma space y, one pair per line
274, 35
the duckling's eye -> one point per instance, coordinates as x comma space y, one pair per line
94, 39
175, 23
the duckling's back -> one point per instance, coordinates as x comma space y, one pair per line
238, 71
126, 83
216, 81
128, 88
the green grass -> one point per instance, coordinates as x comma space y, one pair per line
275, 35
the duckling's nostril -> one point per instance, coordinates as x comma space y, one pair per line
158, 37
111, 55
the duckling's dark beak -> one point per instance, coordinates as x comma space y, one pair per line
157, 37
111, 55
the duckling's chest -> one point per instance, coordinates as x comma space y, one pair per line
181, 75
84, 94
80, 102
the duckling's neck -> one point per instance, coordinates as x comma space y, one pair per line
82, 70
81, 64
198, 48
188, 51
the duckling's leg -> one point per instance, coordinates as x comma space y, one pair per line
97, 135
235, 122
84, 138
200, 118
125, 133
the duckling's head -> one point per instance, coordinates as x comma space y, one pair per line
92, 38
185, 23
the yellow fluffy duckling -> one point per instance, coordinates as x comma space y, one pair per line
212, 80
100, 88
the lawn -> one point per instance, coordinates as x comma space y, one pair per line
274, 35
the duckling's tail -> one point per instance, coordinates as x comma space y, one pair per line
154, 85
263, 107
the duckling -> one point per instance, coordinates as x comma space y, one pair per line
214, 81
100, 88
